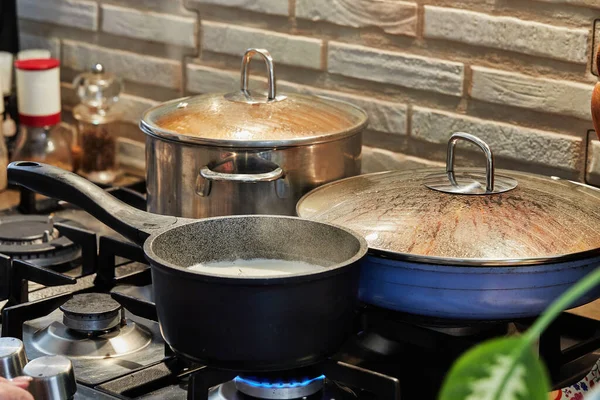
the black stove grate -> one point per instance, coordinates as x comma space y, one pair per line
414, 349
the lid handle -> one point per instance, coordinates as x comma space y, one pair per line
266, 56
489, 157
243, 95
469, 182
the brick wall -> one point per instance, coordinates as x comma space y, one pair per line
517, 73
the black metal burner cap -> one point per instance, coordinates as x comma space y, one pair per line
34, 238
91, 312
26, 229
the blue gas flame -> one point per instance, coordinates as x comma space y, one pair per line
277, 384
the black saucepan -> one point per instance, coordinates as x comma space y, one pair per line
249, 323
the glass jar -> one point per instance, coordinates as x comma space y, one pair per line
45, 144
97, 116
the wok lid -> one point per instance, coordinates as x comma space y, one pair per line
241, 119
467, 218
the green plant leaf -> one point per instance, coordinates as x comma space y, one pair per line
499, 369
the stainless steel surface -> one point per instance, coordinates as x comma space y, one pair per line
91, 371
53, 378
86, 393
216, 120
204, 154
91, 312
239, 119
244, 94
271, 83
98, 68
469, 183
209, 174
12, 357
543, 220
176, 186
58, 339
279, 390
99, 324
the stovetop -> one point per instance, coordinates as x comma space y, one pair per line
117, 351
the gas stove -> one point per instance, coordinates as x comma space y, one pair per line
79, 298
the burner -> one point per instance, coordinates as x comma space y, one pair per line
91, 313
394, 325
92, 328
279, 386
469, 330
35, 239
58, 339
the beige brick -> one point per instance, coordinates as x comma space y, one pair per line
76, 13
132, 107
202, 79
151, 26
393, 68
384, 116
286, 49
395, 17
506, 33
275, 7
68, 97
595, 49
27, 41
509, 141
540, 94
130, 66
375, 159
162, 6
592, 172
131, 156
586, 3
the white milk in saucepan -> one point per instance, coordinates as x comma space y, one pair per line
256, 267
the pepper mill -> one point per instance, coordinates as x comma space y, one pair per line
12, 357
52, 378
98, 117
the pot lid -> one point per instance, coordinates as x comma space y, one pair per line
246, 120
474, 217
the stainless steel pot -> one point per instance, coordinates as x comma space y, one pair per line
227, 154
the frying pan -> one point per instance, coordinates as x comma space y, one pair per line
241, 323
469, 244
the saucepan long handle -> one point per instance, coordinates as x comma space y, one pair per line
54, 182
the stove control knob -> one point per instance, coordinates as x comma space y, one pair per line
52, 378
12, 357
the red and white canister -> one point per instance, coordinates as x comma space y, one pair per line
36, 76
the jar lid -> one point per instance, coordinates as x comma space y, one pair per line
243, 119
98, 91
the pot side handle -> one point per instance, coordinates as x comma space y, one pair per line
55, 182
209, 176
